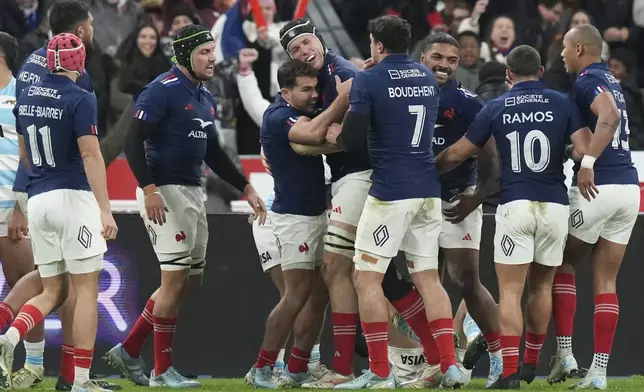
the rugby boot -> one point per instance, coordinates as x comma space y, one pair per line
467, 374
293, 380
262, 378
511, 382
528, 373
565, 366
6, 363
131, 368
171, 378
592, 380
27, 377
430, 377
369, 380
318, 371
453, 378
496, 370
64, 386
328, 381
474, 352
89, 386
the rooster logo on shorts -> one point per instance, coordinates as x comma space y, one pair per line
304, 248
180, 237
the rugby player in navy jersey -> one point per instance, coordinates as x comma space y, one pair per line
603, 225
65, 16
531, 126
350, 185
170, 138
393, 110
299, 218
462, 195
57, 122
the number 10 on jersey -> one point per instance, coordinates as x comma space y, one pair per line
45, 136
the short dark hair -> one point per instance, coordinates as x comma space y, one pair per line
469, 33
440, 38
8, 49
288, 73
392, 31
66, 15
524, 60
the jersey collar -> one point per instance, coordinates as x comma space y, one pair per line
528, 85
602, 66
396, 58
57, 79
187, 83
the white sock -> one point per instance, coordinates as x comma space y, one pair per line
564, 345
35, 353
13, 336
314, 359
280, 356
600, 363
81, 375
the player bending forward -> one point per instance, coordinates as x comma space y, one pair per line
532, 219
57, 123
403, 209
602, 227
171, 136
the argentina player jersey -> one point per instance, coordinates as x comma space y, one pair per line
614, 165
188, 113
9, 151
456, 111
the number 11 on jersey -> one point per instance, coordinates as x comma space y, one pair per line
45, 136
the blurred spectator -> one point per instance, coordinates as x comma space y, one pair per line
33, 12
470, 60
153, 9
12, 19
113, 21
622, 66
33, 40
492, 81
462, 10
544, 27
614, 19
471, 23
638, 12
180, 16
501, 40
141, 59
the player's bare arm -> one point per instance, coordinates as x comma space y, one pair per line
220, 163
97, 177
313, 131
488, 183
322, 149
455, 154
580, 142
139, 132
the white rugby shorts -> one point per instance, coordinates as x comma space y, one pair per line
463, 235
300, 239
266, 244
348, 199
65, 227
410, 225
182, 241
530, 231
612, 215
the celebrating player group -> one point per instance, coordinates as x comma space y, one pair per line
412, 156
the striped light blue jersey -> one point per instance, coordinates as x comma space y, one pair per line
9, 151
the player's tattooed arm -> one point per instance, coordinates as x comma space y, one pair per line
608, 119
323, 149
455, 154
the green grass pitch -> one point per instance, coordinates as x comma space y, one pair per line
632, 384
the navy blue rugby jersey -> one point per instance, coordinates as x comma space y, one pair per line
298, 179
33, 69
51, 115
341, 163
614, 165
184, 115
532, 126
401, 99
456, 111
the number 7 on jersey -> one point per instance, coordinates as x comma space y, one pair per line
419, 112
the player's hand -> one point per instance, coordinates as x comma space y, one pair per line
256, 203
262, 33
247, 57
109, 226
586, 183
155, 208
465, 205
343, 88
333, 132
368, 63
17, 229
264, 161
